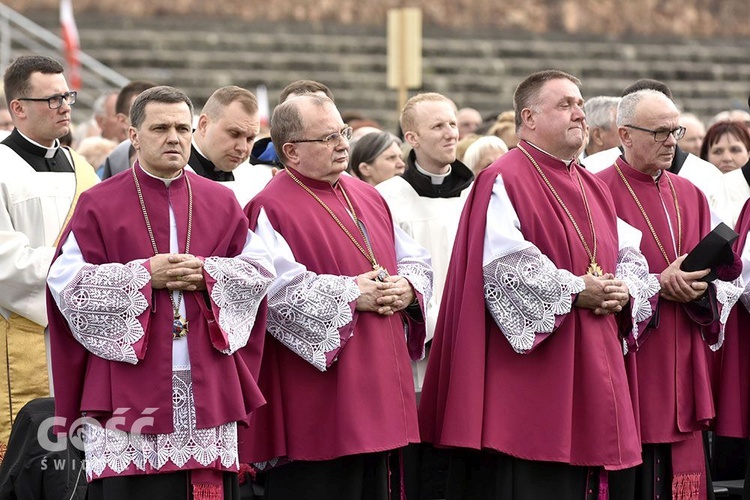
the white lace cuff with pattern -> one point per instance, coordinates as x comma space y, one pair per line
524, 291
102, 304
237, 287
307, 315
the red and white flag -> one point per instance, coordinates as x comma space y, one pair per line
261, 93
71, 47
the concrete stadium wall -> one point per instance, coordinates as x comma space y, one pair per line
478, 68
692, 18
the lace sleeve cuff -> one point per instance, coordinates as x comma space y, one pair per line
309, 316
745, 297
236, 287
727, 295
102, 305
632, 269
524, 292
419, 273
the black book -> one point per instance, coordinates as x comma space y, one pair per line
712, 251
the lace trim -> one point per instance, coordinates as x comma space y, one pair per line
632, 269
102, 305
419, 275
115, 450
745, 297
524, 291
727, 294
239, 289
306, 315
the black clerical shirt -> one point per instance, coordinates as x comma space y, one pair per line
459, 179
205, 168
39, 158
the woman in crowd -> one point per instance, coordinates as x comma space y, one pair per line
376, 157
727, 145
483, 152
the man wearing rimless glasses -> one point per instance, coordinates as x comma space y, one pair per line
684, 164
39, 184
670, 366
344, 318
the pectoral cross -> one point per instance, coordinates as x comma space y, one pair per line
594, 269
382, 273
179, 327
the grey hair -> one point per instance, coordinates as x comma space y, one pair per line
475, 151
98, 108
369, 147
287, 124
626, 109
601, 111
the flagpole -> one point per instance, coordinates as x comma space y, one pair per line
71, 44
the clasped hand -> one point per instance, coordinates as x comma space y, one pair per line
681, 286
603, 294
383, 297
177, 272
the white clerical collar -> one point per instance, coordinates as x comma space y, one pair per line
166, 182
436, 179
566, 162
49, 151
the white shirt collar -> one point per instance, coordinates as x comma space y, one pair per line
49, 151
437, 179
166, 182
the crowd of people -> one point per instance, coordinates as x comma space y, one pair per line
467, 309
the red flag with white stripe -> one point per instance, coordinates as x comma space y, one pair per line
261, 93
71, 46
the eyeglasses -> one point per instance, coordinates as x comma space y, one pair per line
663, 134
54, 101
333, 138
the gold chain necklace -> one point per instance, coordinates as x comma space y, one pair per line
648, 220
179, 323
369, 254
594, 269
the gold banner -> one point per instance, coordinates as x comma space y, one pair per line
24, 376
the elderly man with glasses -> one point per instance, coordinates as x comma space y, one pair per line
344, 317
686, 165
39, 184
669, 372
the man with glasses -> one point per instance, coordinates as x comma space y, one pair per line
264, 152
684, 164
39, 184
669, 372
344, 318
